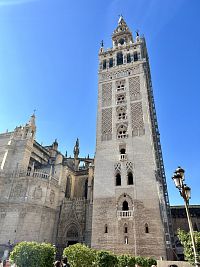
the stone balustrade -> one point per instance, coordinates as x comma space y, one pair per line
124, 213
123, 157
35, 173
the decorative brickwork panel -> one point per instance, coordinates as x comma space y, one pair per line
137, 119
117, 167
134, 88
119, 74
106, 94
106, 124
129, 166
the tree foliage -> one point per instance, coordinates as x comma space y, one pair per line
33, 254
126, 260
106, 259
185, 239
80, 255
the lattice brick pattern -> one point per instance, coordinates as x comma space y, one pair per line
129, 166
106, 94
134, 88
106, 124
137, 119
117, 167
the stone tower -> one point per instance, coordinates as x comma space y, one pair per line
131, 207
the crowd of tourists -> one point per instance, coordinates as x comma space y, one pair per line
62, 263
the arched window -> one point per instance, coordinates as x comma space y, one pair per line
128, 58
72, 233
122, 151
86, 188
135, 56
126, 240
121, 41
104, 64
68, 187
125, 228
130, 178
146, 228
119, 58
106, 229
121, 99
118, 179
110, 62
125, 205
122, 132
121, 113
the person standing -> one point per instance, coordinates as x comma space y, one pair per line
65, 262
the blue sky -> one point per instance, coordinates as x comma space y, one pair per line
49, 60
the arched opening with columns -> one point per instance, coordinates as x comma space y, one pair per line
72, 235
125, 206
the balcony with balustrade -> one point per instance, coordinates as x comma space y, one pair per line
125, 214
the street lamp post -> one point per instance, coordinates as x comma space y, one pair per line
185, 192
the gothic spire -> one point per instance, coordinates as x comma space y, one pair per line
76, 149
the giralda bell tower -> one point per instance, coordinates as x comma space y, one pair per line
131, 208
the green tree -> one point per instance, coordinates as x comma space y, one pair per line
106, 259
126, 261
186, 241
33, 254
80, 255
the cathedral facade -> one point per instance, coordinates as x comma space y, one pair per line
117, 201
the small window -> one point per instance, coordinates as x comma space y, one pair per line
146, 228
122, 151
110, 62
119, 58
121, 99
122, 132
135, 56
128, 58
125, 229
122, 116
106, 229
104, 64
86, 188
130, 178
118, 179
125, 205
121, 41
126, 240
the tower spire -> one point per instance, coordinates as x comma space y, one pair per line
76, 149
122, 34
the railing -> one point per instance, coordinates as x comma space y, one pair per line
121, 89
123, 157
124, 213
121, 136
24, 173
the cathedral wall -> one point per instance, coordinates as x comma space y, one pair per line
4, 139
25, 222
28, 206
